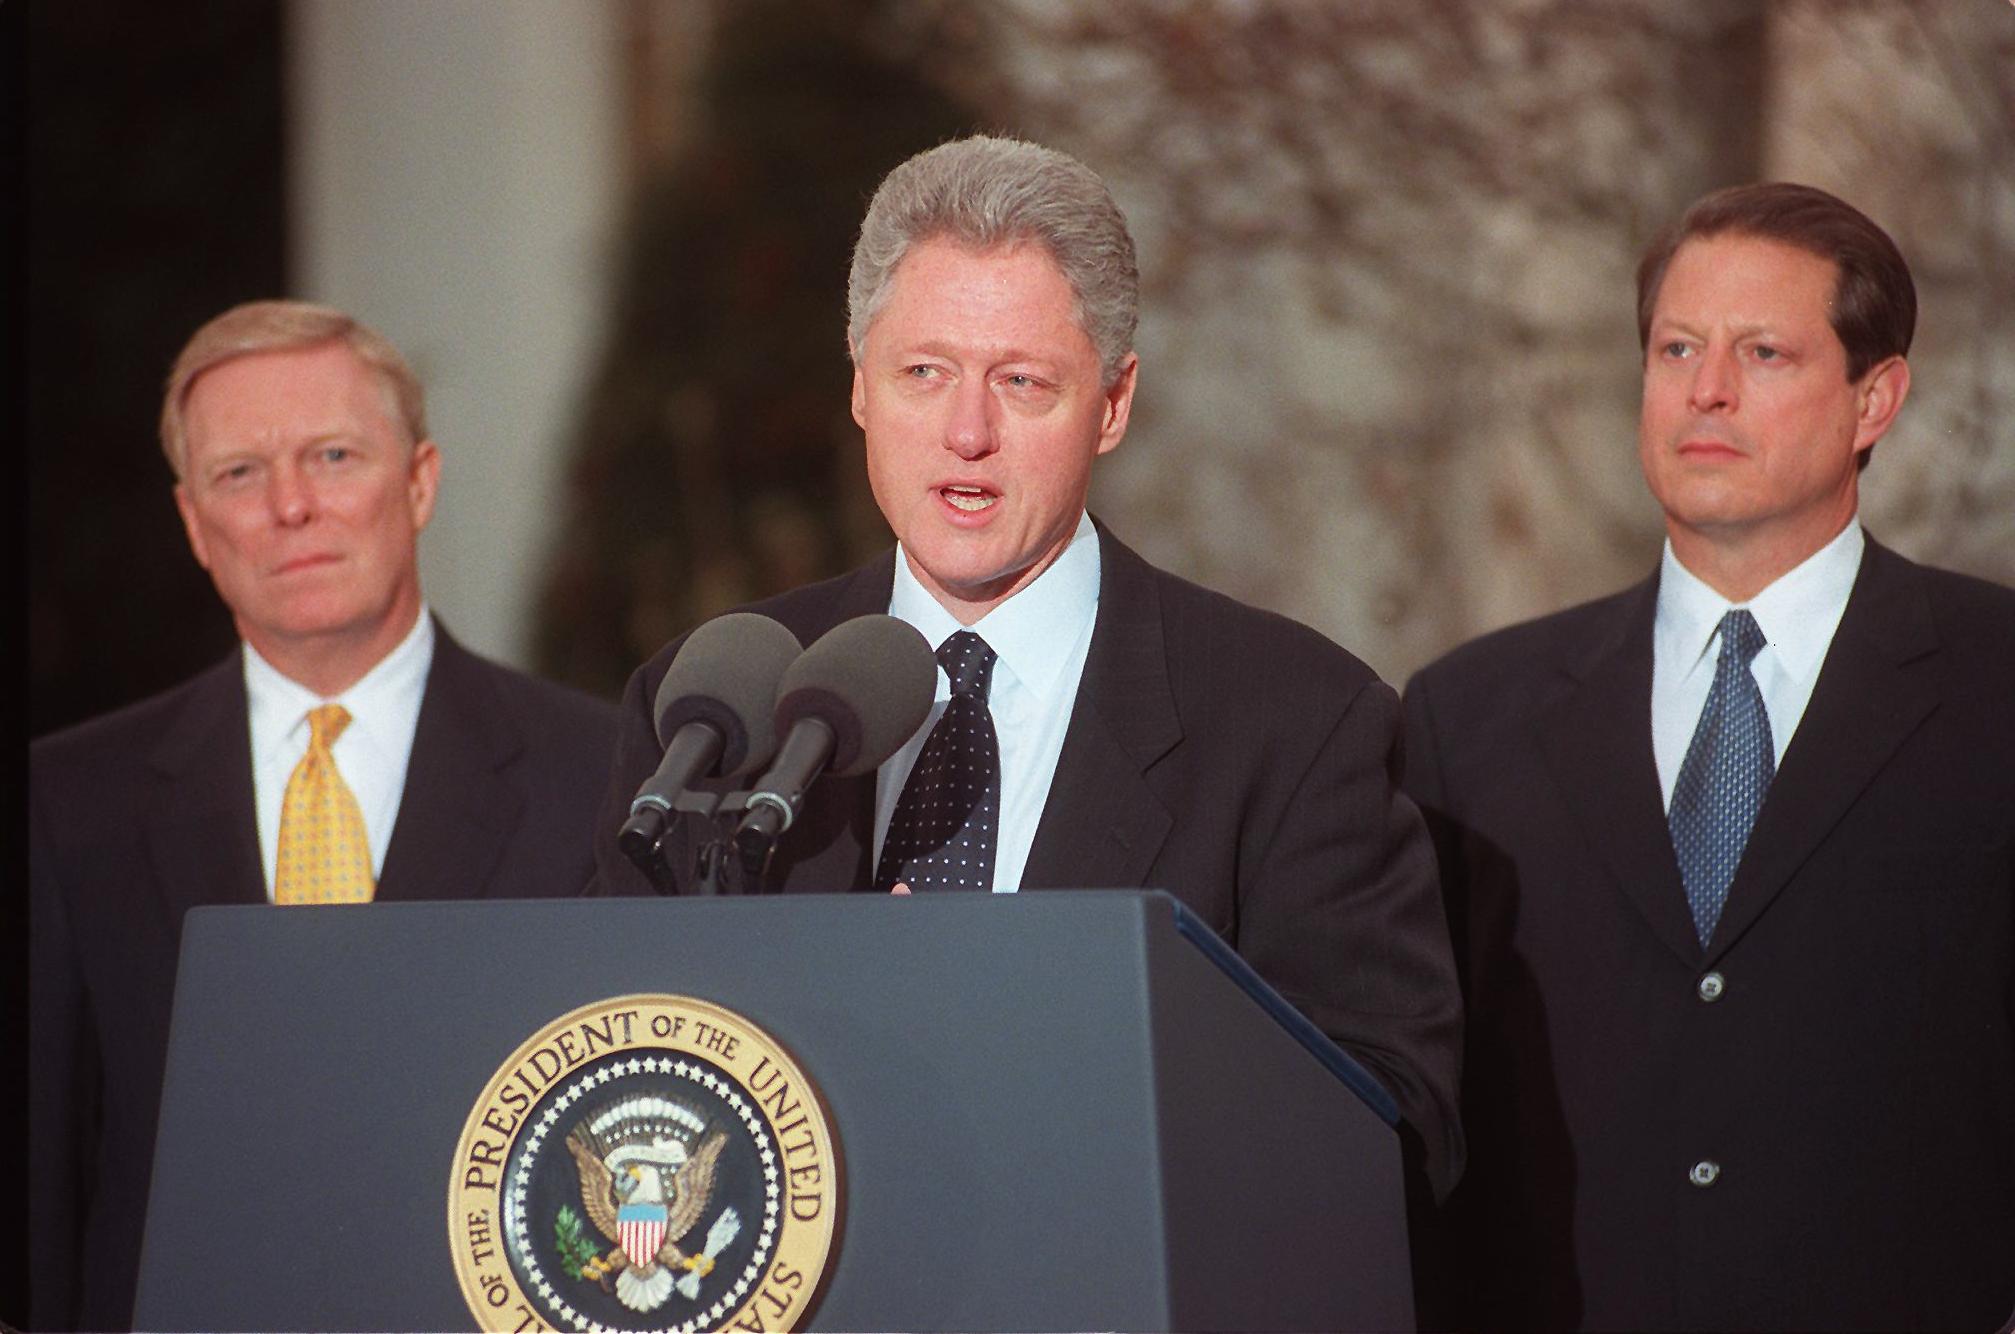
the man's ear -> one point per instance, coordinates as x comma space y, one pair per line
1878, 399
1118, 407
187, 508
423, 482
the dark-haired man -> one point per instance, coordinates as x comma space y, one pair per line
1099, 723
1730, 856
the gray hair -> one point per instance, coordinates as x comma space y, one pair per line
287, 326
985, 192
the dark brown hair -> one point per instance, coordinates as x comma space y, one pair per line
1874, 301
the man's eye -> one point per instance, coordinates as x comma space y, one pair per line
1764, 352
335, 453
1675, 350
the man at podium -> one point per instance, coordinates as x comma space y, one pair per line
1098, 722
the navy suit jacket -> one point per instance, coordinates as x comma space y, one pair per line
1842, 1050
1233, 757
140, 815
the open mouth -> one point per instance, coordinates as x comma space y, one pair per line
967, 499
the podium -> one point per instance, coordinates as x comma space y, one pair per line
1056, 1110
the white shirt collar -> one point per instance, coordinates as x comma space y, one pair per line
1797, 612
384, 700
1027, 629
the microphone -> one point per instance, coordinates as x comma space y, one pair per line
848, 703
715, 719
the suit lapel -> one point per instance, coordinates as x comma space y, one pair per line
1597, 743
1874, 690
458, 805
1103, 825
201, 830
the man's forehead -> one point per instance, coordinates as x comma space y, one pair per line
937, 266
257, 376
291, 359
940, 248
1740, 276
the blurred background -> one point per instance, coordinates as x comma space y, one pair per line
1389, 362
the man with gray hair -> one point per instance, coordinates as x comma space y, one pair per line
348, 750
1098, 722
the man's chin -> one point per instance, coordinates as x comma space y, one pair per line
312, 626
1705, 501
964, 586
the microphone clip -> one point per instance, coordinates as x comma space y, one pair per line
726, 860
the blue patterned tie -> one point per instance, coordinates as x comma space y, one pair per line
1727, 770
946, 821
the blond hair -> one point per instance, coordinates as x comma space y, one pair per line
285, 326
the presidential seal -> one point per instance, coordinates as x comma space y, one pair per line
645, 1163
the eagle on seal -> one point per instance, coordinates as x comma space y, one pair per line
645, 1189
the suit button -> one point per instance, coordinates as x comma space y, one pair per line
1705, 1172
1711, 987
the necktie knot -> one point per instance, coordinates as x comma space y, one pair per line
325, 723
1741, 637
969, 661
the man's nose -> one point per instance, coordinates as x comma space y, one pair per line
1714, 382
291, 496
970, 432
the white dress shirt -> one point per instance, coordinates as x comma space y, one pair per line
1797, 614
1040, 636
371, 754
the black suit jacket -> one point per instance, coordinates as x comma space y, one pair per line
138, 816
1228, 755
1850, 1066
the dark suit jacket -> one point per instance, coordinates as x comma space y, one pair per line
138, 816
1228, 755
1851, 1067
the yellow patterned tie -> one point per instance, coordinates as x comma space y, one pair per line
324, 856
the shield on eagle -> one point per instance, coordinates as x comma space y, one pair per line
640, 1230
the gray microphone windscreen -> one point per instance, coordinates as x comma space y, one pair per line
726, 674
871, 680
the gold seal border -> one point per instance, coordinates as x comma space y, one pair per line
648, 1022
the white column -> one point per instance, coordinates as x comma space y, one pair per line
454, 166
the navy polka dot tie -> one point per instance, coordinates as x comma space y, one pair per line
1727, 770
946, 821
